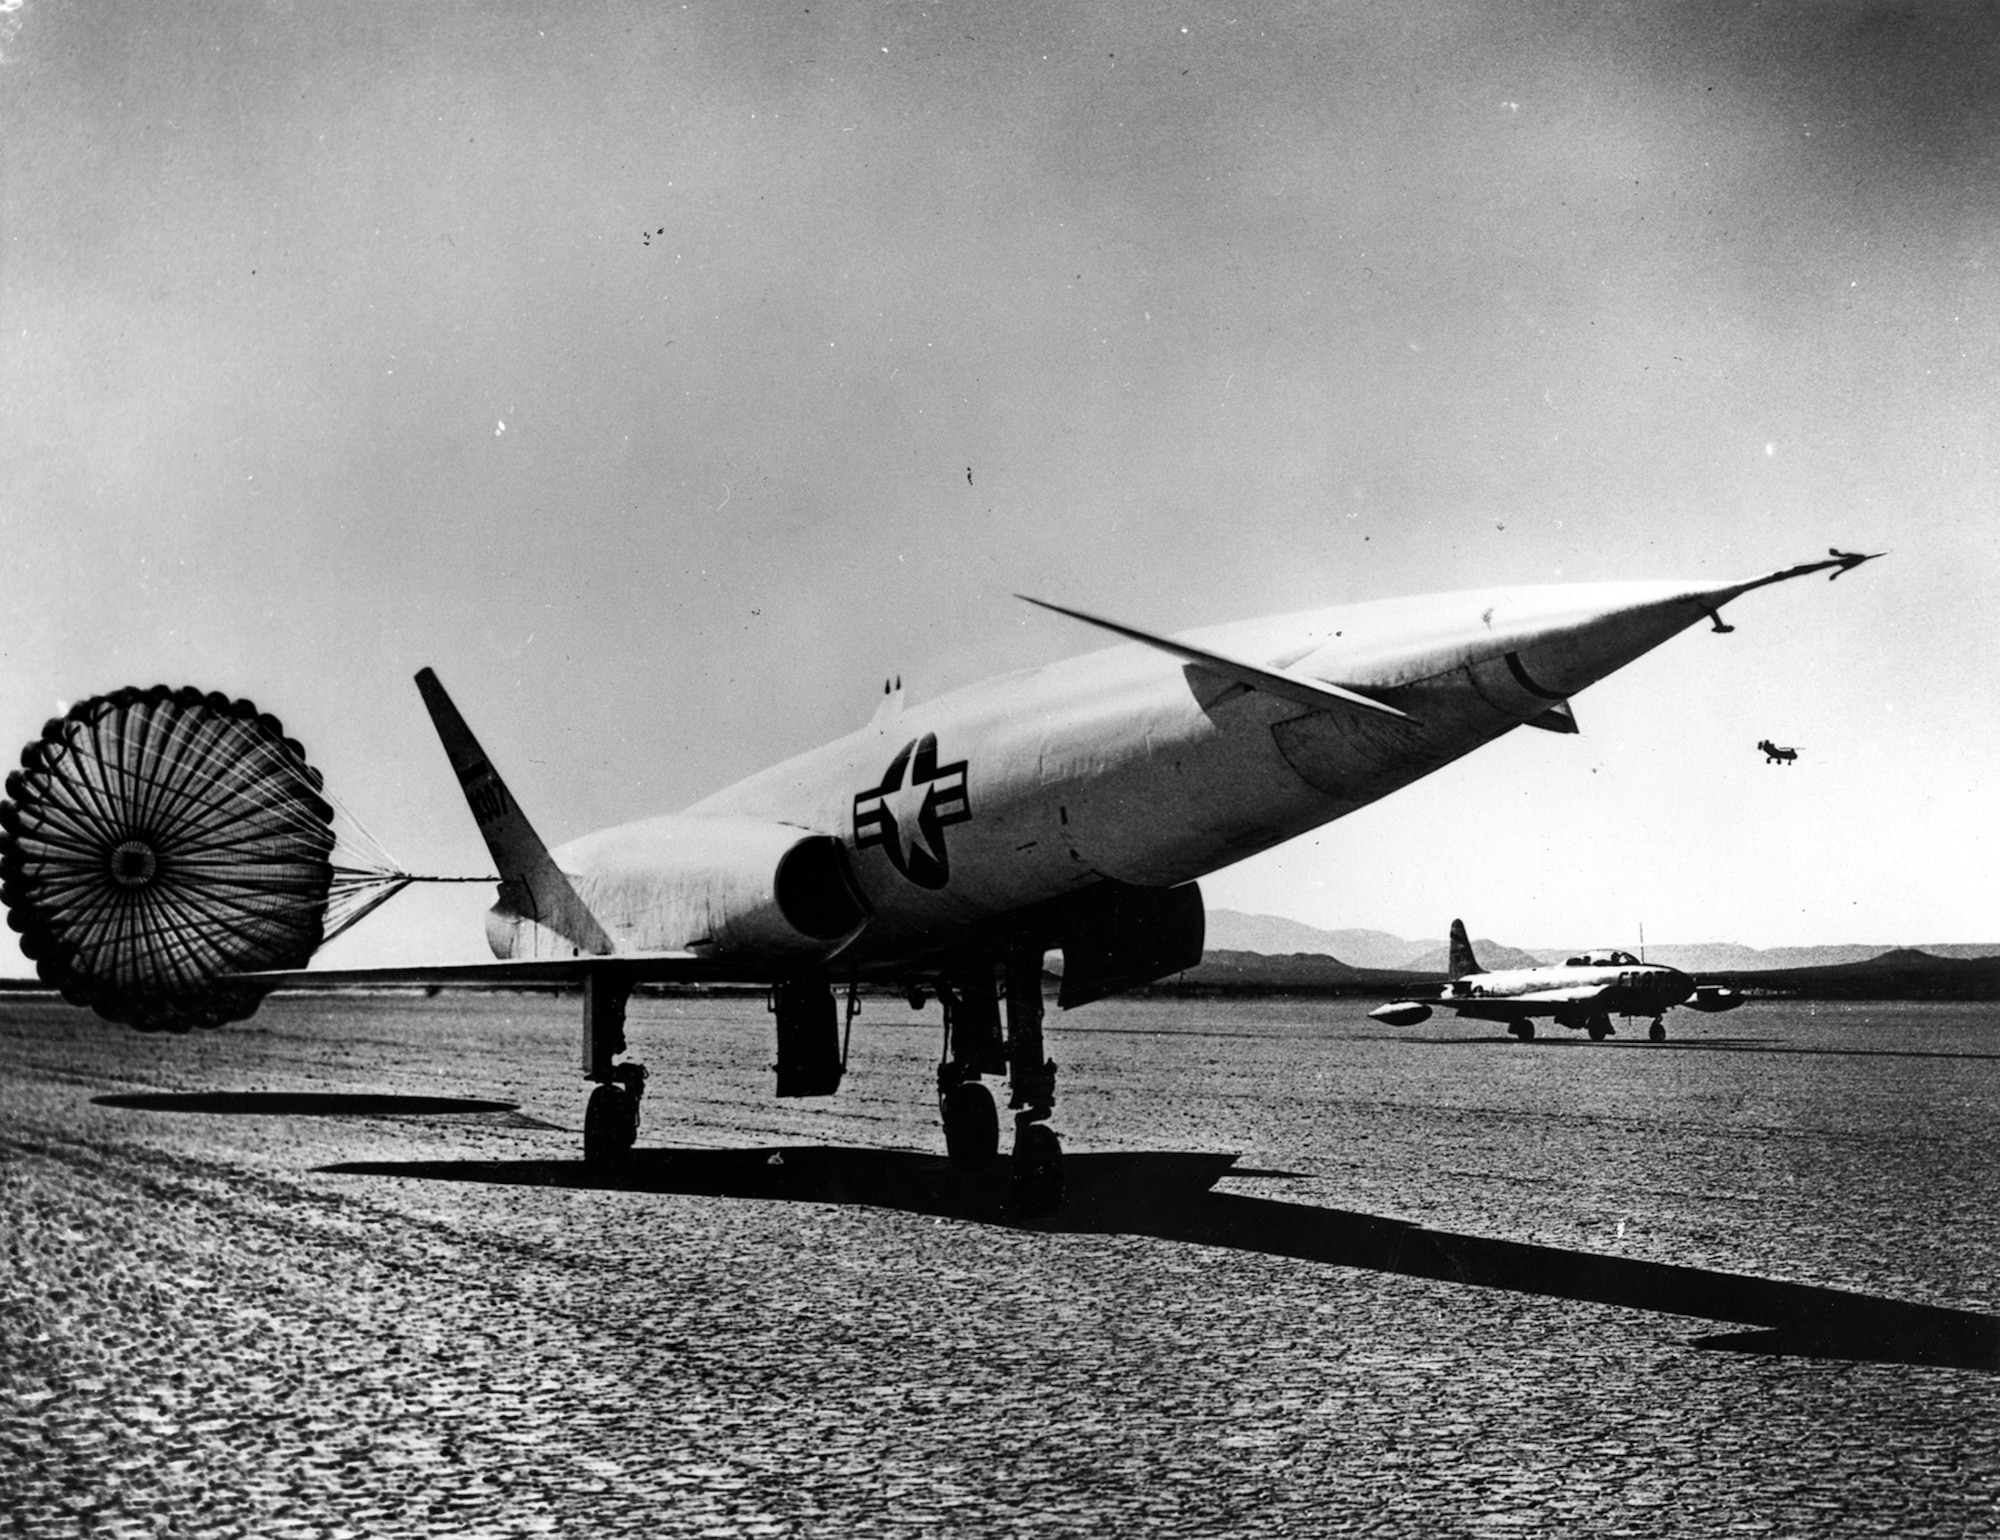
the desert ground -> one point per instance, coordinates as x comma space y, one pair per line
339, 1270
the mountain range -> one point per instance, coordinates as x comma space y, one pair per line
1274, 936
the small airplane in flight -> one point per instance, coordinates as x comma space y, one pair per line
1582, 993
1776, 754
160, 866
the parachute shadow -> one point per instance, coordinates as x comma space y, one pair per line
1169, 1196
298, 1104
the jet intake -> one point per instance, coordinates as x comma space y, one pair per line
722, 886
815, 889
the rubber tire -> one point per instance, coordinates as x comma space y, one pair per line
971, 1126
1038, 1170
1524, 1030
1658, 1032
609, 1126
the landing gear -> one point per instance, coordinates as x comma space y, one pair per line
974, 1046
971, 1125
1524, 1029
611, 1117
1599, 1027
1038, 1170
1657, 1031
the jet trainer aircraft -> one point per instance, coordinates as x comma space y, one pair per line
943, 848
1582, 993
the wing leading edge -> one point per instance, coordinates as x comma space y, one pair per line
1313, 693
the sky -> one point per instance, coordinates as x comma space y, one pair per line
667, 377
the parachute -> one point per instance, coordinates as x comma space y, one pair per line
155, 843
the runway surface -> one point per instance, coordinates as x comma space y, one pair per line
339, 1271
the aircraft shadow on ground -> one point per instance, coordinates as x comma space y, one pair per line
1170, 1196
298, 1104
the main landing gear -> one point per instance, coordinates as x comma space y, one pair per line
974, 1047
611, 1117
1657, 1032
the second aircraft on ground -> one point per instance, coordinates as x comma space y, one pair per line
1582, 993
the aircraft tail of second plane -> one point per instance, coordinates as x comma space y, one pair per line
1462, 960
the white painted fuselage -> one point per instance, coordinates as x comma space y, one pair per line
1128, 764
1619, 985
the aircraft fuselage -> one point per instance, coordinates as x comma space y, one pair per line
1127, 764
1508, 994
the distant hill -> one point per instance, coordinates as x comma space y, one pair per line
1298, 970
1229, 931
1905, 973
1272, 935
1733, 957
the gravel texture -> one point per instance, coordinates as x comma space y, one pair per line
338, 1271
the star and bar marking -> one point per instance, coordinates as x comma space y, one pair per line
907, 814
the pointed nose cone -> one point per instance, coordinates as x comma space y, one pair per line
1569, 638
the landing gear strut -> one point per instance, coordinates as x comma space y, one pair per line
611, 1118
974, 1047
1038, 1167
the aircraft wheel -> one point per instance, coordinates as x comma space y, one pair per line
610, 1125
1038, 1170
1658, 1032
1524, 1030
971, 1126
1599, 1032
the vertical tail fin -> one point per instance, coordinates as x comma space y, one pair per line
531, 884
1462, 960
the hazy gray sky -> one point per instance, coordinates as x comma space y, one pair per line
625, 363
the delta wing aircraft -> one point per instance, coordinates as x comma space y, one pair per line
169, 858
1582, 993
